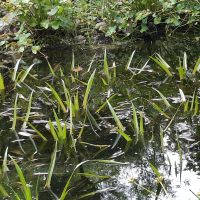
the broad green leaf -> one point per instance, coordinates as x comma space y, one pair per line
53, 11
35, 49
45, 23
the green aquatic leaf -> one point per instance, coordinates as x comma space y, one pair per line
55, 24
53, 11
15, 113
15, 70
58, 98
111, 30
129, 61
3, 191
37, 131
124, 135
135, 121
2, 87
45, 23
118, 122
89, 86
163, 98
105, 67
157, 20
25, 186
162, 63
35, 49
196, 67
51, 167
160, 110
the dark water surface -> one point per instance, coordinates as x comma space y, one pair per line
175, 154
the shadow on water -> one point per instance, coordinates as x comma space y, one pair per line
175, 153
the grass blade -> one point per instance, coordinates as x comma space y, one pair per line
71, 126
73, 62
196, 67
124, 135
105, 67
37, 131
15, 70
28, 111
25, 74
50, 67
196, 106
159, 109
129, 61
26, 187
160, 61
163, 98
59, 126
51, 167
4, 166
15, 113
185, 61
3, 191
92, 119
57, 97
52, 130
141, 125
104, 104
193, 100
89, 86
135, 122
162, 139
2, 87
117, 121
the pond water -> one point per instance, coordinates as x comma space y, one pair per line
161, 163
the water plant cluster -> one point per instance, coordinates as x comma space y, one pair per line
67, 112
91, 21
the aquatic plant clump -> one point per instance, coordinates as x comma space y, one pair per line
69, 134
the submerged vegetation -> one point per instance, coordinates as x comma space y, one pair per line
63, 110
112, 126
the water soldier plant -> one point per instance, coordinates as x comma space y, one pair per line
87, 131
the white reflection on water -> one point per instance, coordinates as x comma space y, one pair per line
190, 181
170, 170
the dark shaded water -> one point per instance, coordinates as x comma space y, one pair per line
176, 153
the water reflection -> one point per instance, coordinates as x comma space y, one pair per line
177, 160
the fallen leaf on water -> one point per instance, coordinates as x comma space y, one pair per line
77, 69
